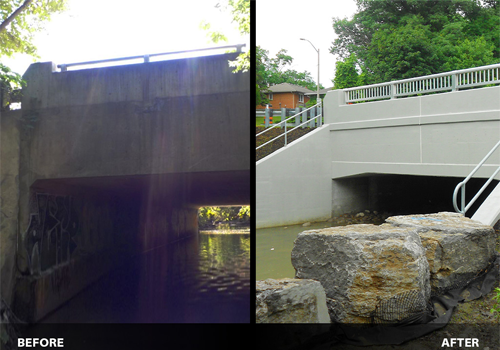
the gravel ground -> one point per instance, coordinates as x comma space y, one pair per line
277, 144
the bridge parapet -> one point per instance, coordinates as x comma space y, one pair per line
145, 82
447, 81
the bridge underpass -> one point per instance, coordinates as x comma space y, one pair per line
111, 165
413, 144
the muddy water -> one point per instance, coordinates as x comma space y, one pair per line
204, 279
274, 247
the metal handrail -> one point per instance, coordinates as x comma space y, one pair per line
64, 67
284, 134
284, 121
446, 81
461, 185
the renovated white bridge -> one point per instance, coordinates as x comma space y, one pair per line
399, 140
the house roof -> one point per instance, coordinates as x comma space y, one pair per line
287, 87
321, 91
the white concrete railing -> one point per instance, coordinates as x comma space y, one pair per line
448, 81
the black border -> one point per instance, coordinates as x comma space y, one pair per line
252, 165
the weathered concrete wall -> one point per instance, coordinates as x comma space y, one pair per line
162, 117
131, 152
74, 236
443, 135
9, 199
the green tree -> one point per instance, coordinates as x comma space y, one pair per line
261, 60
240, 11
20, 20
397, 39
346, 73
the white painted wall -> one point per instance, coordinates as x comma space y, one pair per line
294, 183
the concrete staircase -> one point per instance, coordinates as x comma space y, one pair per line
489, 212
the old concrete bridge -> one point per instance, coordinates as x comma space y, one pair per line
403, 153
106, 162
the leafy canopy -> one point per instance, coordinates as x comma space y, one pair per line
240, 11
19, 21
17, 36
398, 39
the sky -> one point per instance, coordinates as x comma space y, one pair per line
280, 25
100, 29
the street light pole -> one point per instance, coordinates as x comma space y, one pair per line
317, 87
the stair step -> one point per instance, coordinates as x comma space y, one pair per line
489, 212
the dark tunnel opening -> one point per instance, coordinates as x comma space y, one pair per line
407, 194
129, 250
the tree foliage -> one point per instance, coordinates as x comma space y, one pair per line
207, 216
21, 19
240, 12
9, 81
398, 39
275, 70
346, 73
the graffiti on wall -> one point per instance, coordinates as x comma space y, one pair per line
51, 235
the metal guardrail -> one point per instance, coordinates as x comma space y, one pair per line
285, 121
448, 81
64, 67
461, 185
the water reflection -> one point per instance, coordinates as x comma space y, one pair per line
212, 287
202, 279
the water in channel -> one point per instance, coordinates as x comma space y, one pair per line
274, 247
198, 280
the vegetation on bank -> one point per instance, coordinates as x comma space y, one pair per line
211, 216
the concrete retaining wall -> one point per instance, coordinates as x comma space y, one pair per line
9, 195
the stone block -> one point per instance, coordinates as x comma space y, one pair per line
369, 273
291, 301
457, 248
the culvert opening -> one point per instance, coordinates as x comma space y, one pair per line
144, 258
403, 194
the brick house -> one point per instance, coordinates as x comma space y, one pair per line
286, 95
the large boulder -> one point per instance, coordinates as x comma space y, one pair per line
457, 248
291, 301
369, 273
